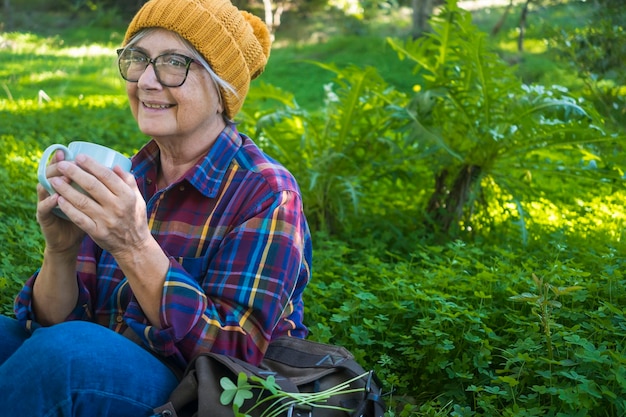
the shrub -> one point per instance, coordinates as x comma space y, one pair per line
335, 153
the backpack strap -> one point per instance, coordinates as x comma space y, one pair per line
372, 404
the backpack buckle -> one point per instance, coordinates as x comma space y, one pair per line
300, 411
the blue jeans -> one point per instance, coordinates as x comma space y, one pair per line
77, 369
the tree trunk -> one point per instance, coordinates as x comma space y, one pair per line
422, 10
272, 17
8, 22
522, 26
277, 18
498, 26
447, 205
269, 16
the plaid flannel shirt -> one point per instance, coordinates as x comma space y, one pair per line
240, 257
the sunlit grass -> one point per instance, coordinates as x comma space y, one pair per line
46, 76
28, 43
600, 217
93, 101
93, 50
597, 213
533, 46
63, 72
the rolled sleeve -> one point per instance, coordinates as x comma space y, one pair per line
23, 306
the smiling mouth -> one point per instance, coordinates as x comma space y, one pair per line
157, 106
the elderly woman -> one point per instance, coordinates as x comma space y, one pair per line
204, 247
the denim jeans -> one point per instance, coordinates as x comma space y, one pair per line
77, 369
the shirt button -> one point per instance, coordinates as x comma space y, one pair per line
181, 188
119, 319
148, 181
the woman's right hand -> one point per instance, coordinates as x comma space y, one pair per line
61, 235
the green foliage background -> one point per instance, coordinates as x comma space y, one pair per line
517, 310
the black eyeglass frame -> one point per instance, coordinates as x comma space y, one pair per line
188, 62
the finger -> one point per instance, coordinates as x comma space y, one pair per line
59, 156
127, 177
72, 201
42, 193
80, 208
46, 201
103, 175
52, 169
85, 180
76, 211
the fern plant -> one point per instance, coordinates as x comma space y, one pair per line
486, 132
335, 151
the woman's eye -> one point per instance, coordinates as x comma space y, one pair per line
176, 61
138, 58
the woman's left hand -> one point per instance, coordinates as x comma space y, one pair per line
115, 214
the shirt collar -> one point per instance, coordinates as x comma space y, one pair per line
206, 175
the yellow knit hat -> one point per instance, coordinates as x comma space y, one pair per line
235, 43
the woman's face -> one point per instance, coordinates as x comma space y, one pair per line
191, 111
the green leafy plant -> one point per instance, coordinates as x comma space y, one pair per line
543, 303
466, 328
595, 52
271, 400
487, 134
330, 151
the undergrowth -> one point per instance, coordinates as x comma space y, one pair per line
481, 329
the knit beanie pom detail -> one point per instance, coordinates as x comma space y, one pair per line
262, 34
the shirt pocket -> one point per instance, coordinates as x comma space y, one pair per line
196, 267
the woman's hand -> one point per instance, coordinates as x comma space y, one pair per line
113, 213
61, 235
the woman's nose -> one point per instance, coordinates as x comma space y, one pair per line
149, 78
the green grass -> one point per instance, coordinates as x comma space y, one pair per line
288, 64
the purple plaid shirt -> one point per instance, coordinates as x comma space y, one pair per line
240, 258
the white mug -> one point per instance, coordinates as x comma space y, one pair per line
105, 156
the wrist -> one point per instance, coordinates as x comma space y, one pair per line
61, 255
136, 252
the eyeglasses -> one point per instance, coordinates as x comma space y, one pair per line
170, 69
